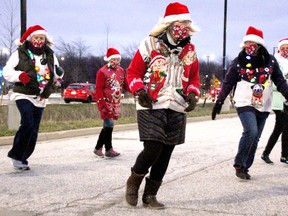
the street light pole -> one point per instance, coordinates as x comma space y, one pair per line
275, 49
226, 105
207, 80
23, 14
224, 41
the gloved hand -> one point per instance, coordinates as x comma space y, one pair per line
102, 105
216, 109
59, 70
24, 78
191, 99
144, 99
285, 108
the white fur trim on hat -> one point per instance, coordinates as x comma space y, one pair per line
282, 42
253, 38
178, 17
112, 56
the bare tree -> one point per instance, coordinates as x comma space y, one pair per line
74, 57
130, 50
9, 26
8, 34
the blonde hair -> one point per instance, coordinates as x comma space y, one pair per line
162, 27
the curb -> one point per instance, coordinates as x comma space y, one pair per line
8, 140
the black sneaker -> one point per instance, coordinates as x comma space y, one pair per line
267, 159
240, 173
284, 160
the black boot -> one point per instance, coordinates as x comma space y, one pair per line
150, 192
132, 187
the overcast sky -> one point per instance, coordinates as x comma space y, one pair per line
129, 21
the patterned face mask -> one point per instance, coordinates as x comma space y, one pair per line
38, 43
284, 53
180, 31
251, 49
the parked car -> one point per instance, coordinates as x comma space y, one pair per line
214, 93
82, 92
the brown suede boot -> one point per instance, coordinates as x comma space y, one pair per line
149, 196
132, 187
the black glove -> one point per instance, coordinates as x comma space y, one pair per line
216, 109
59, 70
191, 99
285, 108
144, 99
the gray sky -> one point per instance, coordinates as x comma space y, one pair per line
129, 21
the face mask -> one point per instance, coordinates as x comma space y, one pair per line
284, 53
251, 49
35, 50
180, 31
38, 43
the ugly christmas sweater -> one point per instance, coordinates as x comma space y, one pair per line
251, 77
110, 83
170, 82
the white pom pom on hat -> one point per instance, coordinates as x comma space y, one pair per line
112, 53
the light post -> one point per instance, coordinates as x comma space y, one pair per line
224, 41
226, 105
207, 78
275, 49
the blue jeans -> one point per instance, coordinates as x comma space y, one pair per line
26, 136
253, 124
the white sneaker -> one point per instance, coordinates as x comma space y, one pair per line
18, 165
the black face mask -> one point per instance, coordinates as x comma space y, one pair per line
35, 50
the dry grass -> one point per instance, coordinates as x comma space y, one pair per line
57, 117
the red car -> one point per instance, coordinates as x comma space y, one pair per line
82, 92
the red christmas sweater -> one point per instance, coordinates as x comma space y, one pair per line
181, 76
110, 83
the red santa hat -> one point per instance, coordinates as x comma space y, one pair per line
32, 30
112, 53
174, 12
155, 56
253, 34
282, 42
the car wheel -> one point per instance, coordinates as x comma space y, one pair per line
89, 100
67, 101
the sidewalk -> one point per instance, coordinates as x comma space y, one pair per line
8, 140
66, 179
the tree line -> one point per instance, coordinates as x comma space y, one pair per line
75, 57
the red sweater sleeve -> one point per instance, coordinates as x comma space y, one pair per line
100, 84
136, 72
194, 79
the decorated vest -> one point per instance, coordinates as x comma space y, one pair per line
27, 65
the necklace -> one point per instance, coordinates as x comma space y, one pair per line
31, 56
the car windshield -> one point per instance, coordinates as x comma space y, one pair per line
75, 87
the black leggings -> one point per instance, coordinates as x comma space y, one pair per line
280, 127
155, 155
